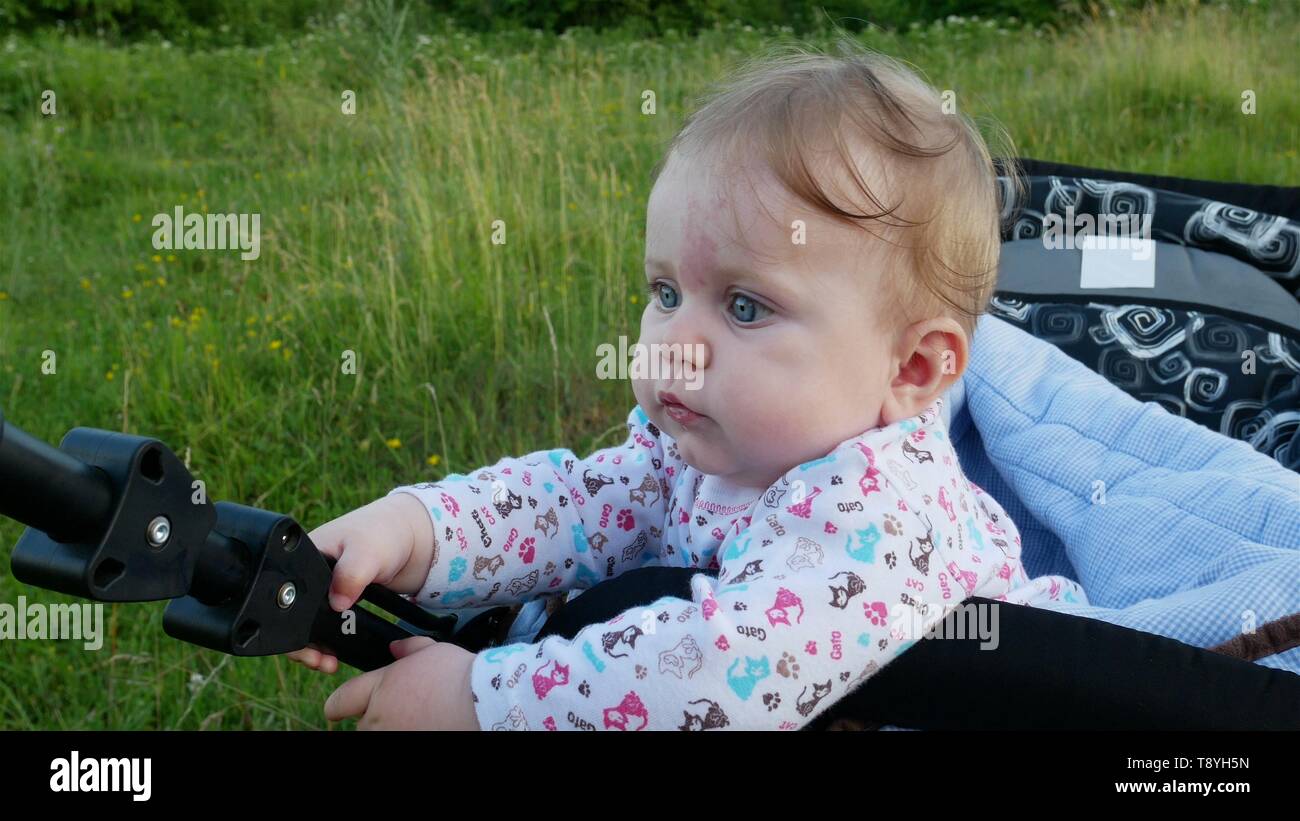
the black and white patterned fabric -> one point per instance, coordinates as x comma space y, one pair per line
1187, 361
1269, 243
1171, 346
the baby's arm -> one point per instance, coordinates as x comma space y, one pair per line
812, 598
545, 522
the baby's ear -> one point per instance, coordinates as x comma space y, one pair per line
930, 356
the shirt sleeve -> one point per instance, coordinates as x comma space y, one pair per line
831, 580
545, 522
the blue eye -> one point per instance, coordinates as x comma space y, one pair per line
657, 290
746, 310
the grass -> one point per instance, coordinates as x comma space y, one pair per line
377, 239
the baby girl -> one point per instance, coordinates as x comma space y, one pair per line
821, 238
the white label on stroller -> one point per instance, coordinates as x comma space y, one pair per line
1117, 262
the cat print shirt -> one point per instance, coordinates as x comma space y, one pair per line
821, 581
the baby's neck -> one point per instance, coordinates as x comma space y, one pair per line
737, 487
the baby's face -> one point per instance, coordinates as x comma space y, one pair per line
790, 352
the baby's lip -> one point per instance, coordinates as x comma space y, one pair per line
669, 398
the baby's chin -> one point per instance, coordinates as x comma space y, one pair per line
744, 474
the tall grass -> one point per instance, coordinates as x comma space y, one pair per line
377, 239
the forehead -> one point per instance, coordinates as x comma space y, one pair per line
704, 219
700, 212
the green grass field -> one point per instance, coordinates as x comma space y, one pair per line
376, 239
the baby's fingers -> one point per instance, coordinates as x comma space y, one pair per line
314, 658
355, 569
328, 538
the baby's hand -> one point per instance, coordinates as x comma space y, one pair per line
389, 542
427, 688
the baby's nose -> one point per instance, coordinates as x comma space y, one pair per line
689, 354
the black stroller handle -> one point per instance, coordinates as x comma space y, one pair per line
49, 490
115, 517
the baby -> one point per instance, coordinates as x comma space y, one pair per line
820, 240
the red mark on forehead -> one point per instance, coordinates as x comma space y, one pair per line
699, 252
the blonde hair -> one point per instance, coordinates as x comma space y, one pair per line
942, 214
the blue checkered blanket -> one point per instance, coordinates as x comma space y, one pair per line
1170, 528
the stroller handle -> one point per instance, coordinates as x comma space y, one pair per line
49, 490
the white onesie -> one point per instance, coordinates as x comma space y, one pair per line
821, 581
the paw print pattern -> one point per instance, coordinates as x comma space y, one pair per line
585, 689
722, 643
738, 606
701, 521
892, 526
836, 480
787, 666
625, 519
772, 700
640, 671
844, 676
891, 559
810, 648
876, 612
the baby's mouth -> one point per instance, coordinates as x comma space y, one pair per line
676, 410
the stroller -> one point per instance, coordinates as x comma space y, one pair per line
1226, 259
234, 573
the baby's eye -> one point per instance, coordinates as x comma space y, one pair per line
664, 293
746, 309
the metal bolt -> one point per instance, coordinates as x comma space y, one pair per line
286, 595
158, 532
